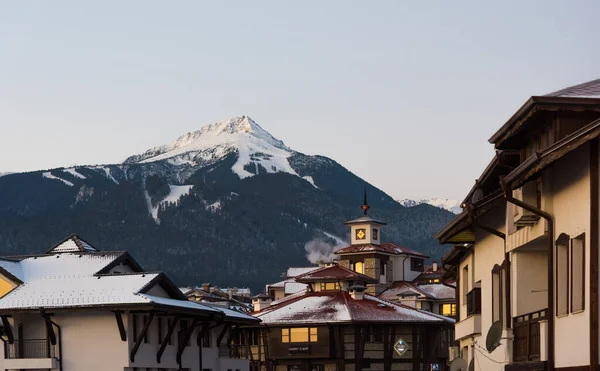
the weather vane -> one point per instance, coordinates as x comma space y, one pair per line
365, 205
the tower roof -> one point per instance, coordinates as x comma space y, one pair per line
334, 272
364, 219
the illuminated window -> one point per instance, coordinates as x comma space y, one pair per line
299, 335
448, 310
326, 286
313, 335
285, 335
359, 267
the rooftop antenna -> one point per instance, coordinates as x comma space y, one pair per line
365, 206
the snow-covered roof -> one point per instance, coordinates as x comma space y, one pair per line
433, 291
385, 248
296, 271
73, 243
340, 307
85, 279
333, 272
294, 287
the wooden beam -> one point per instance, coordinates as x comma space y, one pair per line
141, 337
120, 325
184, 339
222, 334
49, 327
387, 355
8, 330
165, 342
263, 331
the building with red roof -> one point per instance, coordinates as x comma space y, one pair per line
337, 322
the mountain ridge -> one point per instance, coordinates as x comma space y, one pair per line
234, 212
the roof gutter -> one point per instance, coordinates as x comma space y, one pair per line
550, 219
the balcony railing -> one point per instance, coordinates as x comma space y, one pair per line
234, 351
474, 302
527, 339
30, 348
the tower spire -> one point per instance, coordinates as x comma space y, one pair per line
365, 206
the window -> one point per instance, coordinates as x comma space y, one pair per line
374, 335
359, 267
299, 335
562, 274
326, 286
465, 283
498, 294
448, 310
578, 274
416, 264
375, 233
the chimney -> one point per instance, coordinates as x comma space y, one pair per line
206, 286
261, 301
434, 267
357, 291
230, 293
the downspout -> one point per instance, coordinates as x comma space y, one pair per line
550, 220
60, 358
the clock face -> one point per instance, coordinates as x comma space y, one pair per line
375, 234
361, 234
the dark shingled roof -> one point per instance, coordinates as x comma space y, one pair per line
587, 89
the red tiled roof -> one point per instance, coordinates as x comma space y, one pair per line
334, 272
339, 307
386, 248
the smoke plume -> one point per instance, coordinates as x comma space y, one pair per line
320, 250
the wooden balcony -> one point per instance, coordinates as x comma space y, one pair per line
528, 337
474, 301
30, 354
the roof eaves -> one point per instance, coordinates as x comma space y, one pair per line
532, 105
539, 160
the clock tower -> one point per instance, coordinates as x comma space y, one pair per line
365, 230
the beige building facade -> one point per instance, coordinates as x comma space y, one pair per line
526, 245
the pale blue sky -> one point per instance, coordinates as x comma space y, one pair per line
404, 94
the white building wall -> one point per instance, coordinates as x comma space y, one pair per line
570, 204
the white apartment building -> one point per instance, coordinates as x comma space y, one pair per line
76, 308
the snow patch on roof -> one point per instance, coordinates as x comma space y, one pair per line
49, 175
296, 271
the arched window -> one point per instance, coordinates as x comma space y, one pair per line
359, 267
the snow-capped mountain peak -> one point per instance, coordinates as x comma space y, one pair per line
258, 151
444, 203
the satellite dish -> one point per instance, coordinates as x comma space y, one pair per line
458, 364
472, 365
494, 335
